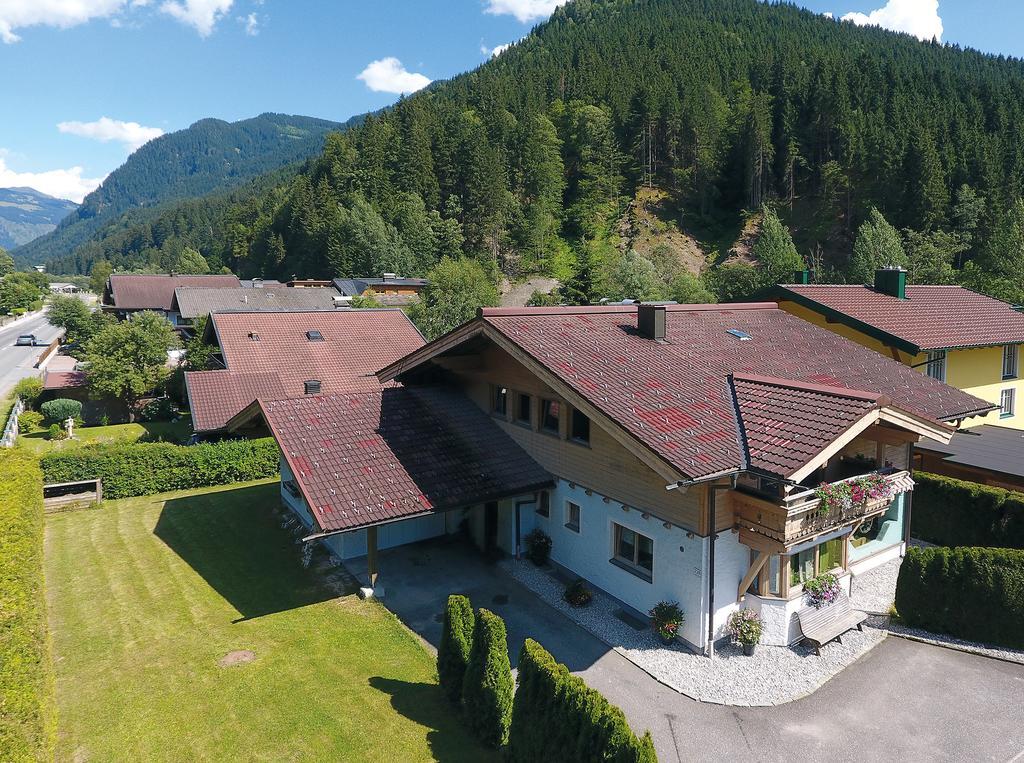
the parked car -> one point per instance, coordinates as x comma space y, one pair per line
26, 340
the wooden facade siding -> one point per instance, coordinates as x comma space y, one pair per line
604, 466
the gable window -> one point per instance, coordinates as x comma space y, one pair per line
499, 400
1010, 352
572, 516
633, 551
524, 408
549, 416
544, 504
580, 427
314, 336
936, 367
1007, 403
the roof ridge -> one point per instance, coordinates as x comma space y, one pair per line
492, 312
828, 389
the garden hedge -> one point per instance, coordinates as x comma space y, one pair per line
131, 469
556, 716
487, 686
26, 673
973, 593
951, 512
456, 644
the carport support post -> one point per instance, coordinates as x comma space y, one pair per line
371, 554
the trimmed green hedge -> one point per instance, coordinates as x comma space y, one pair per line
556, 716
953, 512
973, 593
487, 686
456, 644
130, 469
26, 672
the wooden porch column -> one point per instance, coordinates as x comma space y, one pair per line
371, 554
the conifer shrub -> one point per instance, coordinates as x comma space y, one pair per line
61, 409
556, 716
952, 512
487, 686
456, 644
973, 593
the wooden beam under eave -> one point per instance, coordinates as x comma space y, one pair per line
755, 567
889, 435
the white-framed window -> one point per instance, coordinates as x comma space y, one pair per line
572, 516
633, 551
1010, 353
1007, 403
937, 365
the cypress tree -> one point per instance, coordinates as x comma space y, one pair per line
456, 643
487, 686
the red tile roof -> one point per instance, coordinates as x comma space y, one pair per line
63, 379
370, 457
355, 344
156, 292
785, 424
930, 318
674, 397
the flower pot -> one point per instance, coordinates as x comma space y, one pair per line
748, 649
666, 640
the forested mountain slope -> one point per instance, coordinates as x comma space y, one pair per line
210, 155
529, 162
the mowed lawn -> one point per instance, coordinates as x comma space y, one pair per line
146, 595
150, 431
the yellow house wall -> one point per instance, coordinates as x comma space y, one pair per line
977, 371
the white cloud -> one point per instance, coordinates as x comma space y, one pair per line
64, 184
495, 51
201, 14
105, 129
917, 17
523, 10
251, 24
17, 14
828, 14
389, 76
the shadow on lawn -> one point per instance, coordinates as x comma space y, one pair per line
233, 540
426, 705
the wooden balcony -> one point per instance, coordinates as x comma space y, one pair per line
776, 527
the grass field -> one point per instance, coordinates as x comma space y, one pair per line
167, 431
147, 595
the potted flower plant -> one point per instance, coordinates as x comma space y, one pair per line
746, 626
538, 546
822, 590
666, 619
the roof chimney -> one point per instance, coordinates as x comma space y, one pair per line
803, 277
891, 280
650, 321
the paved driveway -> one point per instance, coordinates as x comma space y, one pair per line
902, 701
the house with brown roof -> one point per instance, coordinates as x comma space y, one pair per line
286, 354
191, 302
671, 452
128, 293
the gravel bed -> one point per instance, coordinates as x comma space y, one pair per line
774, 675
874, 591
961, 645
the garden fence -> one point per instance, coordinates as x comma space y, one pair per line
11, 429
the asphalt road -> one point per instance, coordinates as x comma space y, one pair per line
16, 362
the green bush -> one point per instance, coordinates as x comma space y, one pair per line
556, 716
161, 409
456, 644
973, 593
130, 469
61, 409
29, 421
29, 389
487, 686
26, 672
56, 432
951, 512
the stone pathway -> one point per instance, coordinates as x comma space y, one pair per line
773, 676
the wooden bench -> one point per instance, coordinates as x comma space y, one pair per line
820, 626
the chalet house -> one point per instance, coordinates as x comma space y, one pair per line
390, 289
191, 302
671, 452
126, 293
287, 354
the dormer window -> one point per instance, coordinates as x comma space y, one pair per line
314, 336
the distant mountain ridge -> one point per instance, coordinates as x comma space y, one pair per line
26, 214
210, 155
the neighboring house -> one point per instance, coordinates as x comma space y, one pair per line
192, 302
950, 333
390, 289
62, 287
283, 354
987, 454
132, 293
683, 444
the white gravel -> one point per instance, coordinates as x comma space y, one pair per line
774, 675
874, 591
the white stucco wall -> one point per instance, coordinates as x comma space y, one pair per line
732, 560
781, 626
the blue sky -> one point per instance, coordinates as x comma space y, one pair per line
87, 81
